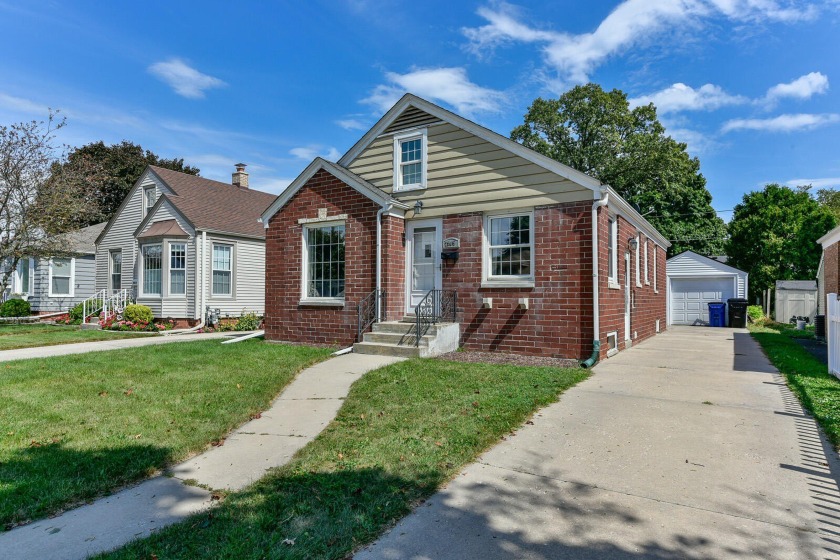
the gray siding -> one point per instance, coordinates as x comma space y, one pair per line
248, 274
468, 174
83, 285
120, 235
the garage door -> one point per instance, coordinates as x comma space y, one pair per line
690, 298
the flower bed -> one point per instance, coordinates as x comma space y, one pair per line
114, 324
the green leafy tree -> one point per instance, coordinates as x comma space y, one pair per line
597, 132
829, 198
773, 235
109, 172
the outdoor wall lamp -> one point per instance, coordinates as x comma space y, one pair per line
633, 243
418, 207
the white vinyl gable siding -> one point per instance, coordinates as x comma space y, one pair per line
466, 173
120, 235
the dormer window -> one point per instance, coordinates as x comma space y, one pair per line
410, 161
149, 199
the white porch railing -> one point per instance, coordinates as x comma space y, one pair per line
832, 325
108, 305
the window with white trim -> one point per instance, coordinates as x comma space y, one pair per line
177, 269
647, 277
149, 199
612, 251
116, 269
510, 246
638, 275
324, 258
23, 276
152, 256
222, 270
612, 343
410, 161
61, 277
655, 288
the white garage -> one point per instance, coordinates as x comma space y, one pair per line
694, 281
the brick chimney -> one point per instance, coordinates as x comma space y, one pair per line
240, 176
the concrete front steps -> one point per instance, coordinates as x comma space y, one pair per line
399, 338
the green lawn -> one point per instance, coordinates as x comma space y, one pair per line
31, 335
75, 427
807, 377
403, 431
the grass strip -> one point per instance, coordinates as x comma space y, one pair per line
403, 431
13, 337
807, 377
75, 427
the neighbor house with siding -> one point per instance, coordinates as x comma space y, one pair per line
55, 284
182, 244
440, 233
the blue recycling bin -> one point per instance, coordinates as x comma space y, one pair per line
717, 314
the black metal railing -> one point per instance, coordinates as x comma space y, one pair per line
371, 310
436, 306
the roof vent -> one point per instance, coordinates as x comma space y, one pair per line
240, 176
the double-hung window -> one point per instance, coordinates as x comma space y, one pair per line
149, 199
655, 287
116, 270
647, 276
61, 277
23, 284
410, 161
177, 269
152, 269
222, 270
324, 270
510, 247
638, 274
612, 252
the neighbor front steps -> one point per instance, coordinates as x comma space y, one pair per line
398, 338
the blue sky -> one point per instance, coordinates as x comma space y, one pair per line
748, 84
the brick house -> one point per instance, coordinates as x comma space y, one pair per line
465, 235
828, 274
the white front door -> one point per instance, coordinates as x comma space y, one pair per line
423, 267
627, 302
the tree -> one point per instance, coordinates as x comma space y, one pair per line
597, 132
773, 235
35, 205
829, 198
109, 172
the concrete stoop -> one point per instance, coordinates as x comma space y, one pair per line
399, 338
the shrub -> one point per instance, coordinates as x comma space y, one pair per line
755, 313
16, 308
249, 321
136, 313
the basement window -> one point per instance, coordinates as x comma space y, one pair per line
612, 344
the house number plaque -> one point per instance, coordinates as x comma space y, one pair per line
451, 243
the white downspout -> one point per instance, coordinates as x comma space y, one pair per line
596, 306
379, 214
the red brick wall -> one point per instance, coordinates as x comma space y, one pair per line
393, 266
285, 318
648, 304
831, 266
559, 319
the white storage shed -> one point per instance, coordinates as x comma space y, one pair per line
694, 281
796, 298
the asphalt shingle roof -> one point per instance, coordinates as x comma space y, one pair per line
213, 205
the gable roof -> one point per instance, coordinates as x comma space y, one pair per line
366, 189
711, 263
830, 238
410, 100
84, 240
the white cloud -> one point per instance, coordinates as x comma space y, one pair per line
819, 183
351, 124
803, 87
697, 142
23, 105
314, 150
782, 123
272, 185
450, 85
184, 79
680, 97
630, 24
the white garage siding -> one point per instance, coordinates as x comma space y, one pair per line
694, 281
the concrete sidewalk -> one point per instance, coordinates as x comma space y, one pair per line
688, 446
304, 408
103, 345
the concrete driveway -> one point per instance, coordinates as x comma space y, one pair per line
687, 446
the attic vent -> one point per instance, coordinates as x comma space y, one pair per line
410, 118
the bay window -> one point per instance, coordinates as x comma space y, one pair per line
177, 269
152, 269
